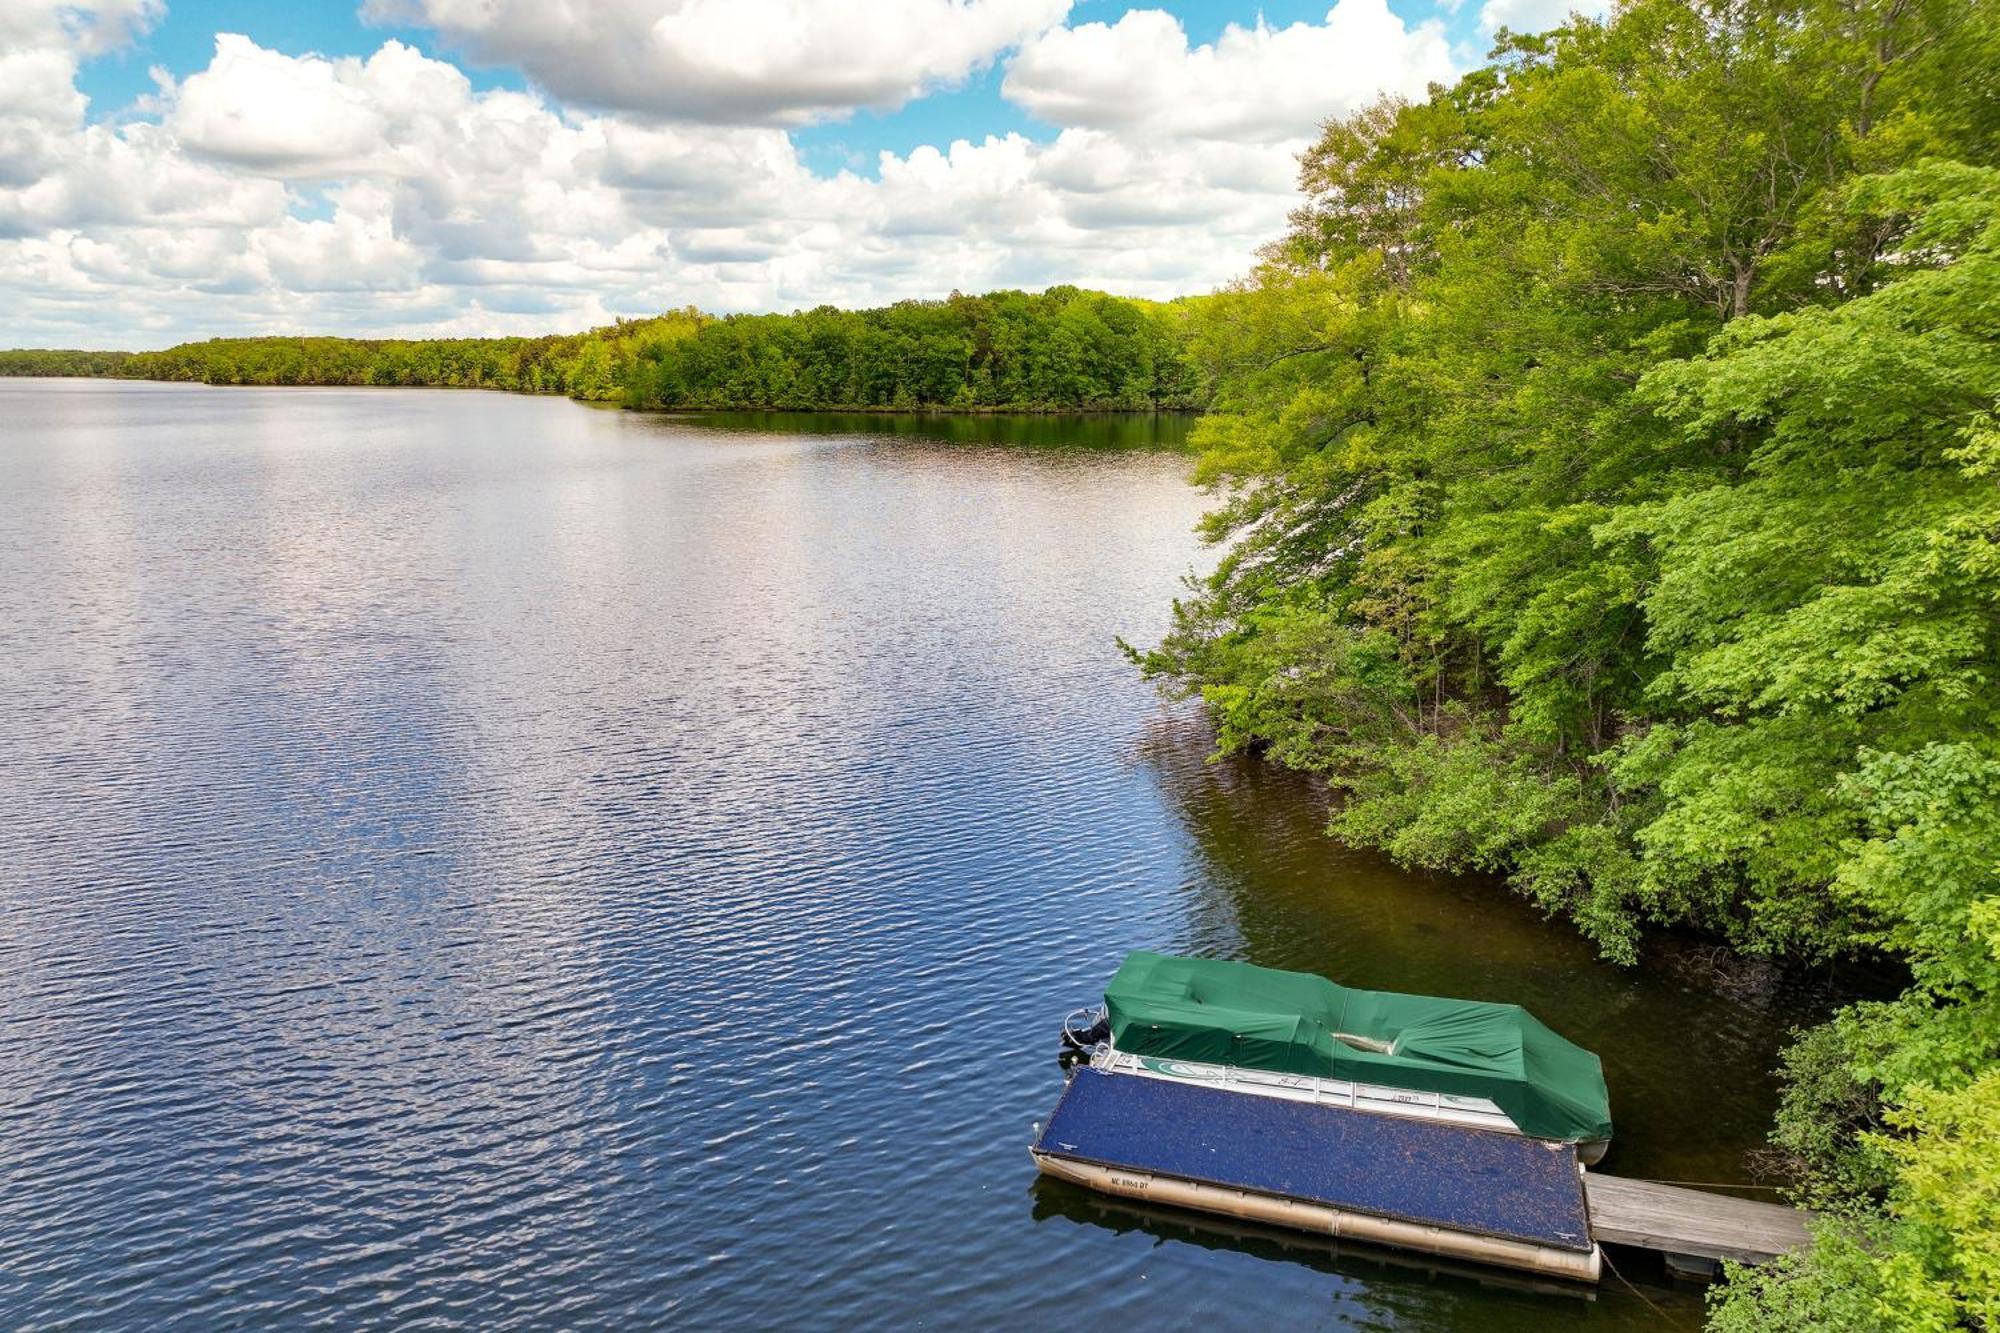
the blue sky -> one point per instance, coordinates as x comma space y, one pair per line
185, 40
183, 168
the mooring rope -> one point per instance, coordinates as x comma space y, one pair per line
1635, 1291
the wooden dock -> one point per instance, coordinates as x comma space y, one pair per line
1693, 1228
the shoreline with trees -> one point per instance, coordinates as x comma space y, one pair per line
1062, 350
1608, 462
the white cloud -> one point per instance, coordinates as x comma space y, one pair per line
736, 62
272, 192
1536, 15
82, 27
41, 43
38, 103
261, 109
357, 249
1256, 85
97, 176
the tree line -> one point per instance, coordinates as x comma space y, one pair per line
1064, 349
62, 361
1609, 482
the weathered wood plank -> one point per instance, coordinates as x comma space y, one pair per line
1678, 1220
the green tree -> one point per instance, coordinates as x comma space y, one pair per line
1608, 477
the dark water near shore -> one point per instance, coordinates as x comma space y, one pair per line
1102, 431
479, 860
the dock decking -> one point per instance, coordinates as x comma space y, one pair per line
1680, 1221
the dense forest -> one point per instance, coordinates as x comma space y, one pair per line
1610, 484
1064, 349
63, 361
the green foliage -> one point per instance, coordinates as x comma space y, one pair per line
1635, 397
1927, 873
1929, 1263
59, 362
1607, 467
1460, 798
1899, 1101
1827, 1118
1947, 1201
1949, 1197
1063, 349
1839, 1285
590, 366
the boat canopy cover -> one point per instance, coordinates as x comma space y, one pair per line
1293, 1022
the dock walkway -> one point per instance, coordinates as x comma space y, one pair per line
1689, 1223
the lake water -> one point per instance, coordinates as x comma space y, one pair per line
468, 859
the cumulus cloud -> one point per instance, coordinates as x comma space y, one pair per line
356, 250
79, 27
1258, 84
262, 109
771, 62
276, 192
1536, 15
41, 44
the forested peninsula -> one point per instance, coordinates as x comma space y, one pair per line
1611, 498
1064, 349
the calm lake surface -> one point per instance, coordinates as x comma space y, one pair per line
468, 859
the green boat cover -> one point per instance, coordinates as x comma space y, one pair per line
1259, 1018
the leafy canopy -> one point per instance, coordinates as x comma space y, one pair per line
1608, 477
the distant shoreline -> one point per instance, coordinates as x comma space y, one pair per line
727, 410
1058, 351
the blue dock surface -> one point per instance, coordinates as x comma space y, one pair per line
1470, 1180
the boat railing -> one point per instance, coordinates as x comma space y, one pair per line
1371, 1097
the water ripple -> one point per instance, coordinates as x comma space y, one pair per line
470, 860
